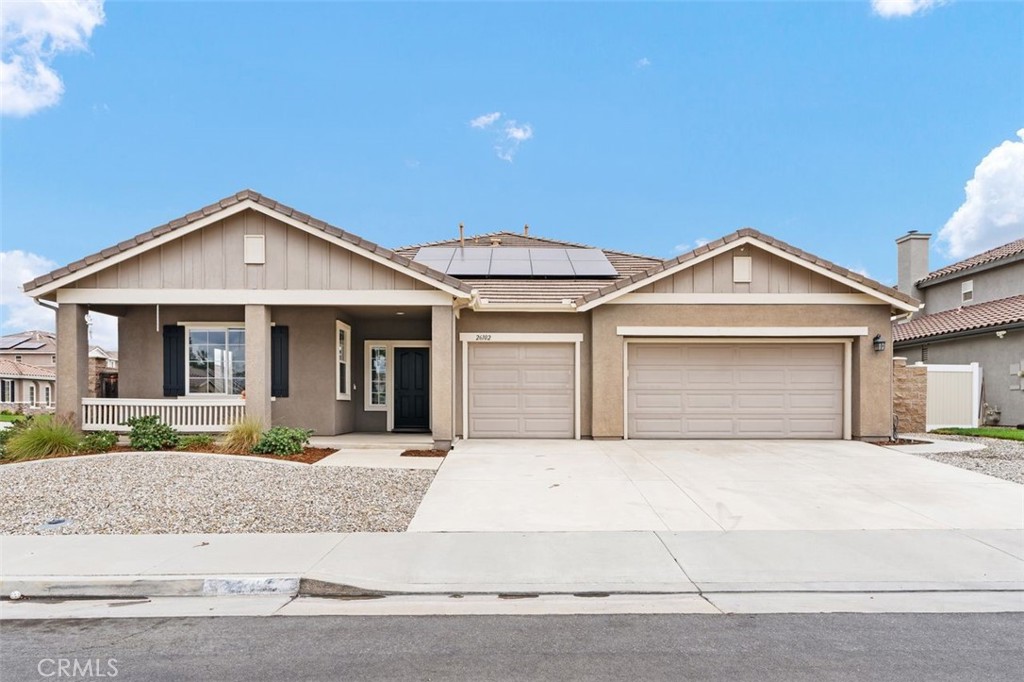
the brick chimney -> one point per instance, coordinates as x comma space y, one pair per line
912, 261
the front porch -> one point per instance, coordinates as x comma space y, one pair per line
344, 372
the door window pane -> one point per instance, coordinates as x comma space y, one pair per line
378, 375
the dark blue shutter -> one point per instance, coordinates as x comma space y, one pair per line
279, 361
174, 360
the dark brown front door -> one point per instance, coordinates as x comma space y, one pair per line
412, 389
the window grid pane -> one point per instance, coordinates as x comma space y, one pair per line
216, 361
378, 375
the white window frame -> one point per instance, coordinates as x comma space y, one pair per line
48, 394
343, 355
967, 291
189, 326
390, 345
32, 394
7, 390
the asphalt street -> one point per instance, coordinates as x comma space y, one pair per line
788, 648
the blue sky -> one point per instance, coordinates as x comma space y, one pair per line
643, 127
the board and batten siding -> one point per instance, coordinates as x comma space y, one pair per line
212, 258
770, 275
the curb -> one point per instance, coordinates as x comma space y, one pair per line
156, 586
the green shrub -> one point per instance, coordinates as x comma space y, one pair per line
197, 440
43, 436
8, 433
243, 436
97, 442
282, 441
149, 433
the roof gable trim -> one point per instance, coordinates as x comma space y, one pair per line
642, 281
169, 234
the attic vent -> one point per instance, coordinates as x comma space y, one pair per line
742, 269
255, 252
495, 241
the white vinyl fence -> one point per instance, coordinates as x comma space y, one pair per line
954, 396
187, 416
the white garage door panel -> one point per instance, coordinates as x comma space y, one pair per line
521, 390
685, 390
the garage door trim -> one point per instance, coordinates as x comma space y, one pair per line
847, 368
504, 337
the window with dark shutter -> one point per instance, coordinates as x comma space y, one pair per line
279, 361
174, 360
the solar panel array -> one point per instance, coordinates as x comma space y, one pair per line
486, 261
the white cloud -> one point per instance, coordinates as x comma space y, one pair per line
687, 247
993, 210
33, 33
642, 63
485, 120
18, 312
903, 8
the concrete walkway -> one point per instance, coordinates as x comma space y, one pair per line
531, 563
500, 486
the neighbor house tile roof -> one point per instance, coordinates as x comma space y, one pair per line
538, 291
227, 202
766, 239
10, 369
1000, 252
977, 316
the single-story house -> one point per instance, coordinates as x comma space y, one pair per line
26, 388
248, 306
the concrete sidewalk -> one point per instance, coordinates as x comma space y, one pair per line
523, 563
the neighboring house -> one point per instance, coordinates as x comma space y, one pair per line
26, 388
973, 312
493, 336
102, 373
32, 347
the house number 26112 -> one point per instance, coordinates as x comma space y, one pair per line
483, 337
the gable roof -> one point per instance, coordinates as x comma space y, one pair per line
1014, 248
241, 200
509, 291
976, 316
750, 235
19, 370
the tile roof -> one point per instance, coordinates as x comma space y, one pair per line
10, 368
1000, 252
977, 316
764, 238
538, 291
227, 202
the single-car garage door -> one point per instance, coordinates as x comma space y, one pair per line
735, 390
521, 390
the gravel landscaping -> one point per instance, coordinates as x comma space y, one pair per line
1001, 458
186, 493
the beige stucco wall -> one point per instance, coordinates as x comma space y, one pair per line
769, 274
212, 258
871, 397
989, 285
529, 323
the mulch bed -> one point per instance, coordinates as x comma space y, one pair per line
307, 456
425, 453
899, 441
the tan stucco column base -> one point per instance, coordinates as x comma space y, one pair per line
442, 374
72, 360
257, 363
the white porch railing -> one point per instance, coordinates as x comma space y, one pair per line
187, 416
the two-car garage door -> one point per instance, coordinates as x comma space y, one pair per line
735, 390
521, 390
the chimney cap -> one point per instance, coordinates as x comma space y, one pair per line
913, 234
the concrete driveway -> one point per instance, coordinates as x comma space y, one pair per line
510, 485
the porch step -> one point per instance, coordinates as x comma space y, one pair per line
374, 441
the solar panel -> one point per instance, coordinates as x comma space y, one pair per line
488, 261
9, 343
31, 346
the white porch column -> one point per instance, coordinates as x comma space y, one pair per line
72, 360
442, 374
257, 363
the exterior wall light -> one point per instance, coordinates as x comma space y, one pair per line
878, 343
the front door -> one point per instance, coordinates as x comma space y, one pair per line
412, 389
